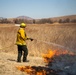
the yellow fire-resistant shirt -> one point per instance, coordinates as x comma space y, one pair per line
21, 37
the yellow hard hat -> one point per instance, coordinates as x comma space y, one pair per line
22, 25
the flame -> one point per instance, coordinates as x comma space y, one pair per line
33, 70
26, 69
52, 53
48, 57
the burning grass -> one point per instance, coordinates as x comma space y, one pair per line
51, 58
53, 53
62, 61
37, 70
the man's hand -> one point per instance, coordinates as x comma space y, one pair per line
31, 39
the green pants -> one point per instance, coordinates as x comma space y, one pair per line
22, 50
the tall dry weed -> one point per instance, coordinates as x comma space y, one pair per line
46, 37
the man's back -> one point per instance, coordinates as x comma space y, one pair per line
21, 37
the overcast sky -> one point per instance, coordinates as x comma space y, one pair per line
37, 8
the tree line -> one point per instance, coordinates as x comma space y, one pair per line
5, 21
40, 21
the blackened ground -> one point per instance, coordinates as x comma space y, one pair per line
64, 64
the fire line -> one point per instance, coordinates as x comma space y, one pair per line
48, 58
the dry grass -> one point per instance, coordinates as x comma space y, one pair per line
7, 38
8, 64
52, 37
48, 36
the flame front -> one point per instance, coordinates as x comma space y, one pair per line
49, 55
33, 70
52, 53
27, 69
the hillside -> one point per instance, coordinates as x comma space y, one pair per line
24, 17
64, 17
47, 36
29, 20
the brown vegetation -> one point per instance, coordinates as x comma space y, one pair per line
47, 36
59, 37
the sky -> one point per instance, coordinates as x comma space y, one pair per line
37, 9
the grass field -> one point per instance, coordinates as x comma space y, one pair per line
60, 37
47, 36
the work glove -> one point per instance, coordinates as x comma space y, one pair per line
31, 39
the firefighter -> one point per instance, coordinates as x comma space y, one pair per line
21, 43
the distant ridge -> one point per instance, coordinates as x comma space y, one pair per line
64, 17
24, 17
1, 17
60, 19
